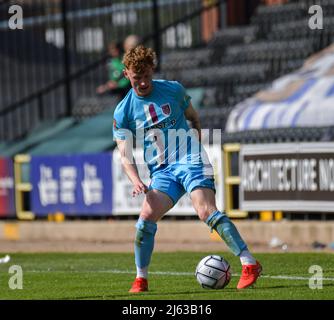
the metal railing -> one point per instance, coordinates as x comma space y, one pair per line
59, 55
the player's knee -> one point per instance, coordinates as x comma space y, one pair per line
203, 212
147, 215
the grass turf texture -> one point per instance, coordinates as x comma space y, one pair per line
109, 276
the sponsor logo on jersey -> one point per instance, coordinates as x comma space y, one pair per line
166, 109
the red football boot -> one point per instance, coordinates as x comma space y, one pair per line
139, 285
249, 275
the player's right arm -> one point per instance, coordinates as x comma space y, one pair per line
130, 167
124, 139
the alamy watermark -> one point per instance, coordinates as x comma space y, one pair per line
15, 281
16, 20
315, 282
316, 21
168, 146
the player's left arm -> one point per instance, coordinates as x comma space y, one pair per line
192, 116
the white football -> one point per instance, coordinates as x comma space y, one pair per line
213, 272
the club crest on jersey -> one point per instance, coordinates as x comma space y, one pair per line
166, 109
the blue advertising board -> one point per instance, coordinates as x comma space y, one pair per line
73, 184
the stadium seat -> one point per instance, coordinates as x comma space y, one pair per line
290, 30
266, 16
268, 50
210, 97
289, 66
217, 75
233, 35
176, 60
86, 107
327, 134
247, 90
214, 118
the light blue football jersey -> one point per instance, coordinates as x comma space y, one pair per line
158, 122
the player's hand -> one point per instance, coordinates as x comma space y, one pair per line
112, 85
139, 188
100, 89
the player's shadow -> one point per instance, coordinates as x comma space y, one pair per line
200, 292
128, 296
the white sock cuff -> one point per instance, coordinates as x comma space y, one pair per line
142, 272
247, 258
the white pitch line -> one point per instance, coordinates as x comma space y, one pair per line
293, 278
170, 273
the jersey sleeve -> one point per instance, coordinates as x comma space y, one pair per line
121, 128
183, 97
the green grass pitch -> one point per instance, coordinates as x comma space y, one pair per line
108, 276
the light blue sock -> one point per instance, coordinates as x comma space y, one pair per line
144, 242
227, 231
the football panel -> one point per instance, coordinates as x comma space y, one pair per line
211, 272
217, 264
205, 281
219, 258
223, 281
202, 262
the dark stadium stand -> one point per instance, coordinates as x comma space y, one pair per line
180, 59
235, 64
233, 35
86, 107
213, 117
241, 60
267, 16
